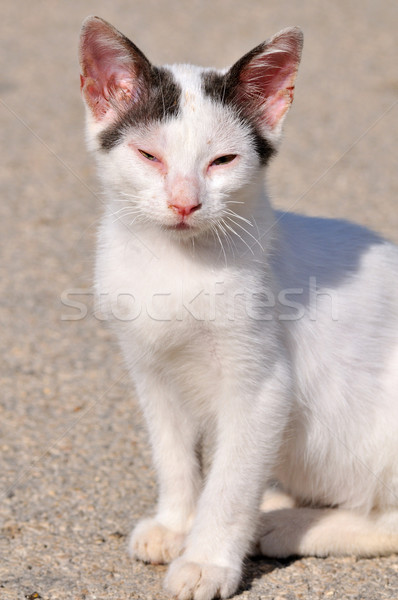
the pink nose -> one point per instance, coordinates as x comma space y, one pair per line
184, 209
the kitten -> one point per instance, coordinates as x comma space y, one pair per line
275, 335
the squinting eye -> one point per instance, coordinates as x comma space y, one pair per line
148, 156
223, 160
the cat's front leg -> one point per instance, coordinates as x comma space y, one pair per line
173, 438
250, 429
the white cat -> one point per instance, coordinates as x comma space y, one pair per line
274, 335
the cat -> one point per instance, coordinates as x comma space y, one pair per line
269, 339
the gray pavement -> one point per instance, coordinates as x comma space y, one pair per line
75, 464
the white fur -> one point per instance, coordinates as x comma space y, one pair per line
285, 349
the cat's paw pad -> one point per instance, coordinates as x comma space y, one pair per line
154, 543
193, 581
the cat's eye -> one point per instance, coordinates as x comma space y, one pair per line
148, 156
223, 160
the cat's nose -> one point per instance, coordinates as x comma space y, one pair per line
185, 209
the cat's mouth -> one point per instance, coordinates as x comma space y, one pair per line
180, 226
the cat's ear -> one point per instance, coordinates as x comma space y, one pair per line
263, 80
113, 70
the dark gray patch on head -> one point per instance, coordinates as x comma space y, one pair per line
158, 100
222, 88
215, 86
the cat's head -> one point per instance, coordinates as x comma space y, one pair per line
181, 144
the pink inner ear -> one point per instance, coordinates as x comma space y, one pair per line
277, 84
108, 79
268, 80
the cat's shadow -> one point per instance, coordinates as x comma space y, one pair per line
256, 567
340, 247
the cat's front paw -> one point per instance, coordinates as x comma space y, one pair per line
154, 543
193, 581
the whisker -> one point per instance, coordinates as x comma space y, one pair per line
128, 194
229, 239
214, 229
245, 230
234, 214
126, 214
239, 236
125, 209
137, 218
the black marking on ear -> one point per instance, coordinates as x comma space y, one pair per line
222, 88
161, 101
263, 148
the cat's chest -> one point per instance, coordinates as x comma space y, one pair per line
167, 297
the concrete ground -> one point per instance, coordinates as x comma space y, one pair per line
75, 465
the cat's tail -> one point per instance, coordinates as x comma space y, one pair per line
326, 532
